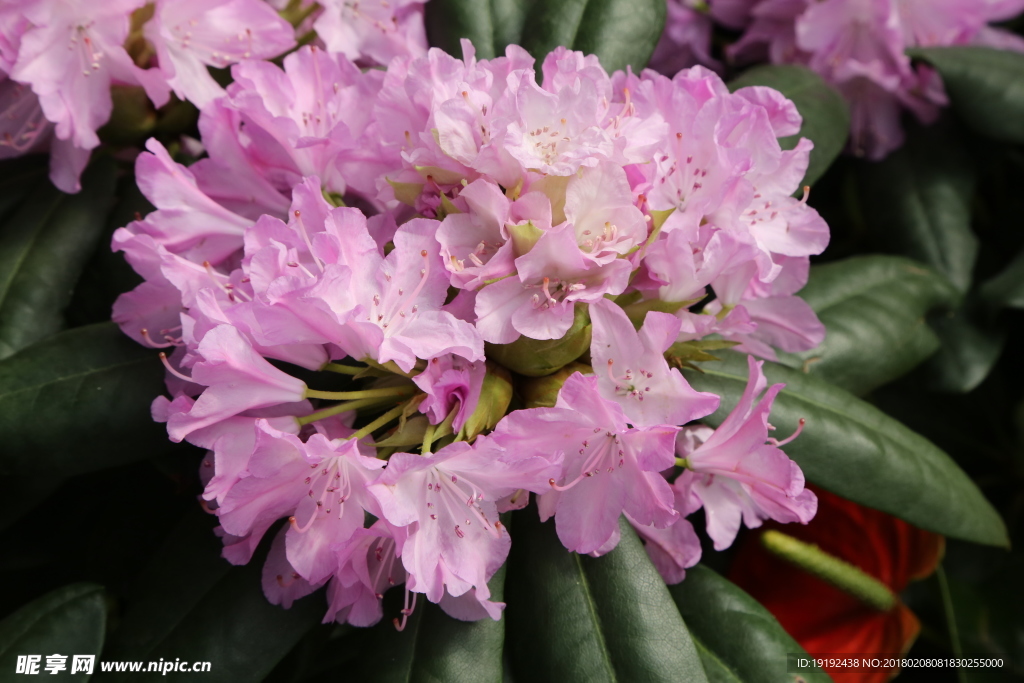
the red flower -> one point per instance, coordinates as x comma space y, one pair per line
825, 619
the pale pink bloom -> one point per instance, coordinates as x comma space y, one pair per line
738, 474
632, 371
186, 221
373, 31
447, 500
686, 40
539, 300
191, 35
451, 383
367, 566
70, 55
675, 548
237, 379
608, 468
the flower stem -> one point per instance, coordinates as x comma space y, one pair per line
406, 390
428, 439
947, 608
342, 369
841, 574
339, 408
379, 422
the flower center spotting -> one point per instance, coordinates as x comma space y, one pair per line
329, 486
450, 500
545, 142
553, 291
630, 384
599, 453
389, 310
88, 55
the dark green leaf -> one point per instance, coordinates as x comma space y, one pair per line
620, 32
985, 87
825, 114
1006, 288
79, 401
490, 24
107, 274
918, 201
853, 449
17, 178
577, 618
69, 621
195, 606
734, 632
968, 352
43, 247
874, 309
434, 647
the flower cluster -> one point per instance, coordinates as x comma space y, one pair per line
398, 302
856, 45
59, 59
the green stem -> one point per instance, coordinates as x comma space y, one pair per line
407, 390
379, 422
841, 574
947, 608
339, 408
342, 369
682, 462
428, 439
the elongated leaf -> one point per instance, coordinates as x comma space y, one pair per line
918, 201
79, 401
734, 632
577, 618
43, 248
193, 605
620, 32
69, 621
434, 647
985, 87
490, 24
1006, 288
853, 449
17, 178
826, 118
874, 309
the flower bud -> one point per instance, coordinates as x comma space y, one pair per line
495, 395
540, 357
542, 392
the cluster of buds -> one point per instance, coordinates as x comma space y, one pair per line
394, 303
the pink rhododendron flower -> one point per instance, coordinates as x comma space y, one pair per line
608, 468
737, 473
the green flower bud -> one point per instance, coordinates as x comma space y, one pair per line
495, 396
539, 357
542, 392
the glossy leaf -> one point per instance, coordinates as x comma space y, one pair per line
44, 246
985, 87
826, 118
79, 401
490, 24
191, 604
70, 620
969, 350
433, 647
620, 32
918, 201
578, 618
736, 636
1006, 288
874, 309
853, 449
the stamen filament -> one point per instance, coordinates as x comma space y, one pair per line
170, 369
